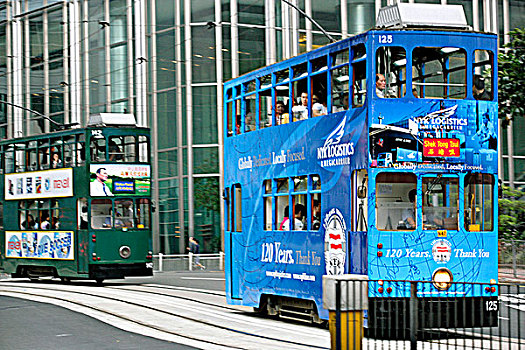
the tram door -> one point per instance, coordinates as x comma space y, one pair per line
83, 235
235, 237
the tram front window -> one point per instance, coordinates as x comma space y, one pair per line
440, 203
101, 214
396, 197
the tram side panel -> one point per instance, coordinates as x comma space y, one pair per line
292, 263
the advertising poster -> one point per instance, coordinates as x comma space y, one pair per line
58, 245
39, 184
120, 180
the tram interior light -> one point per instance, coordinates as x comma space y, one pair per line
449, 49
343, 78
400, 63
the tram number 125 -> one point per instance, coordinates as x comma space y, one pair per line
491, 305
385, 39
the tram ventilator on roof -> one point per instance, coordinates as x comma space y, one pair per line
112, 119
405, 15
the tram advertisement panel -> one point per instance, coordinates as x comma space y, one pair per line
120, 179
39, 184
441, 135
55, 245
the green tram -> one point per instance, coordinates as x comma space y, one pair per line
77, 203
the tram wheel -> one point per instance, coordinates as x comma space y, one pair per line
99, 281
65, 279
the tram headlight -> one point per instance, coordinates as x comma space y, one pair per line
125, 251
442, 278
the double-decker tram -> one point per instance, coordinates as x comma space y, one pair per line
373, 155
77, 203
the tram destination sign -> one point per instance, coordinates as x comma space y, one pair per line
441, 148
39, 184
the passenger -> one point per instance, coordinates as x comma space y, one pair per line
29, 223
300, 112
44, 222
478, 89
344, 101
408, 216
194, 248
249, 122
299, 215
316, 214
380, 85
318, 107
115, 153
55, 224
56, 162
414, 92
281, 117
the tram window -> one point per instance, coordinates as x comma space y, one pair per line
227, 207
249, 117
359, 200
80, 150
440, 203
238, 110
268, 217
101, 213
143, 211
124, 213
69, 151
28, 215
9, 161
31, 156
482, 75
300, 92
396, 201
359, 75
439, 72
479, 202
82, 209
265, 102
340, 79
282, 210
316, 212
56, 157
229, 113
319, 86
98, 149
265, 109
122, 149
316, 183
20, 157
143, 149
282, 185
44, 214
391, 65
300, 185
237, 214
1, 215
282, 97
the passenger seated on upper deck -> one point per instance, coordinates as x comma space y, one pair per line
300, 112
343, 103
318, 106
478, 89
281, 117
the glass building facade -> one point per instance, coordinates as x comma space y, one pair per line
165, 61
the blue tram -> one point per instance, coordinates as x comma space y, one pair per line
373, 155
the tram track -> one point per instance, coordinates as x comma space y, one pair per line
197, 318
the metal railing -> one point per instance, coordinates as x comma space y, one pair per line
424, 319
186, 262
511, 258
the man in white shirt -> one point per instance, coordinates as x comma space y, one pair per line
300, 112
98, 187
